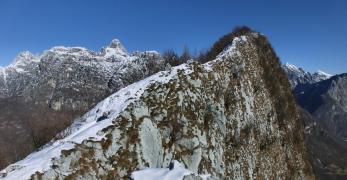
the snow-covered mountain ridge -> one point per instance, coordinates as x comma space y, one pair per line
41, 95
298, 76
225, 118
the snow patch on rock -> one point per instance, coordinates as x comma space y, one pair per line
176, 172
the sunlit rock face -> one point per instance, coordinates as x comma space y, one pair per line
232, 118
40, 95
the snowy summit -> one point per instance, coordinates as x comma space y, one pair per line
298, 76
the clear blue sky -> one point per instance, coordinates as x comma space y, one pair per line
312, 34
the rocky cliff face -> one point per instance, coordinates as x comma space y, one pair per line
41, 95
232, 118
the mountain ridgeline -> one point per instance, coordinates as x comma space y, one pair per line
299, 77
233, 117
42, 95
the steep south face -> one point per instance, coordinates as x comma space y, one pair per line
232, 118
40, 95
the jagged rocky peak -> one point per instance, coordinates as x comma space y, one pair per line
116, 44
23, 62
231, 118
294, 69
298, 76
24, 56
115, 48
322, 73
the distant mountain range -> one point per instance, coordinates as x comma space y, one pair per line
323, 99
40, 95
298, 76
